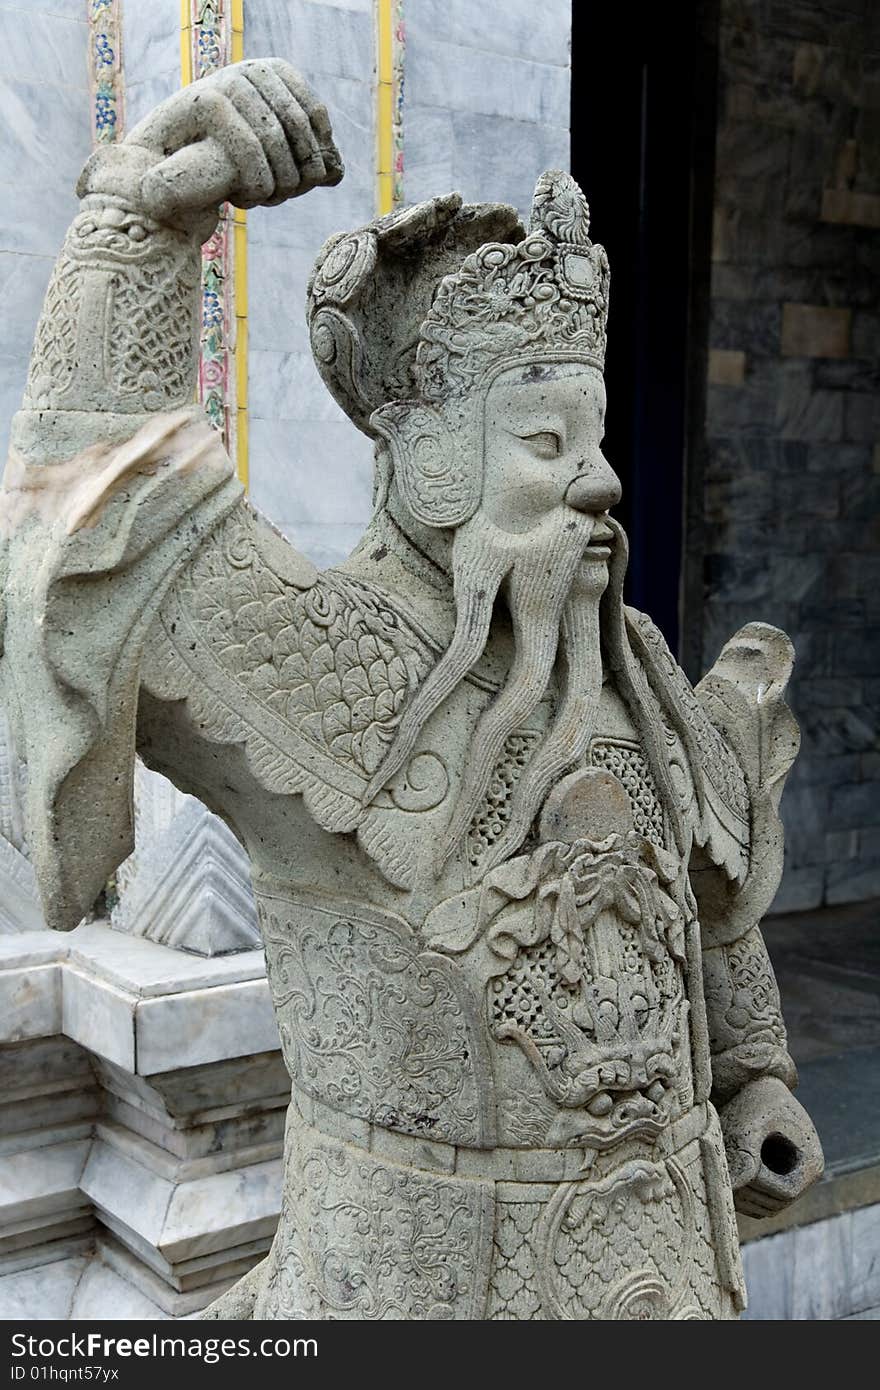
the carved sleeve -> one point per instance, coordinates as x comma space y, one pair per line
743, 696
117, 337
746, 1030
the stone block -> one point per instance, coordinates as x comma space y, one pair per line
44, 1293
855, 805
41, 1182
750, 412
749, 325
803, 412
851, 208
810, 330
853, 880
726, 367
800, 890
99, 1017
862, 417
857, 654
30, 1003
185, 1030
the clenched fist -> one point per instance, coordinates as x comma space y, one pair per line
251, 134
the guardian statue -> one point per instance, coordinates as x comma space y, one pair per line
510, 866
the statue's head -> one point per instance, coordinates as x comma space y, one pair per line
508, 369
495, 445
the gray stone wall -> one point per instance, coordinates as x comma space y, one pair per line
44, 115
792, 460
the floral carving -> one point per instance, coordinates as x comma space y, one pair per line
367, 1240
370, 1024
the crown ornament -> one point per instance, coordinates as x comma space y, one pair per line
545, 296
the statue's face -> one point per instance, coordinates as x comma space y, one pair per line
543, 433
539, 539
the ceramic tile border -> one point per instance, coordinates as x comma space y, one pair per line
390, 48
106, 86
212, 35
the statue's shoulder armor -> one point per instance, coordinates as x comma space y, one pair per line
308, 671
721, 794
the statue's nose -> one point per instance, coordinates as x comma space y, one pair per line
595, 491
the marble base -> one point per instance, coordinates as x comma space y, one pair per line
141, 1125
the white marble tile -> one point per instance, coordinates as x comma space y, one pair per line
143, 94
46, 137
206, 1025
865, 1236
41, 1294
23, 281
493, 84
104, 1296
312, 473
33, 948
145, 969
42, 1181
499, 160
38, 47
35, 215
150, 42
822, 1258
30, 1003
136, 1198
287, 386
277, 279
519, 28
428, 152
315, 37
220, 1212
99, 1017
325, 546
768, 1268
65, 9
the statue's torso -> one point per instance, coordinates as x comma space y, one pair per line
500, 1083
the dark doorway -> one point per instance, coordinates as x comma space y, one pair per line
643, 116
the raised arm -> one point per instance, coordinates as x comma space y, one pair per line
115, 477
772, 1148
117, 339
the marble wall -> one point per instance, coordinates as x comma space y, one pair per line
487, 97
44, 115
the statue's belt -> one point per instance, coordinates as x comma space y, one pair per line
497, 1164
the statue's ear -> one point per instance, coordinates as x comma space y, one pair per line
437, 470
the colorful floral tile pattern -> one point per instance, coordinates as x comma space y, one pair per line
105, 70
210, 38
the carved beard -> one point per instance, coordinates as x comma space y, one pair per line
553, 597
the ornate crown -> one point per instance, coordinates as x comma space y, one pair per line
546, 295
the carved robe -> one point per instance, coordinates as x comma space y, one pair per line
503, 1081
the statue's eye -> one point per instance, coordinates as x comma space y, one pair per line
546, 444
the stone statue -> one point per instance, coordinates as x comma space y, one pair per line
510, 867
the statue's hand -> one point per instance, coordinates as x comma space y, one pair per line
251, 134
773, 1150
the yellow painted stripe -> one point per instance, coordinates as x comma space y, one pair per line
385, 106
186, 66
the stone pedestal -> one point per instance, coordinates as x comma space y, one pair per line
143, 1109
